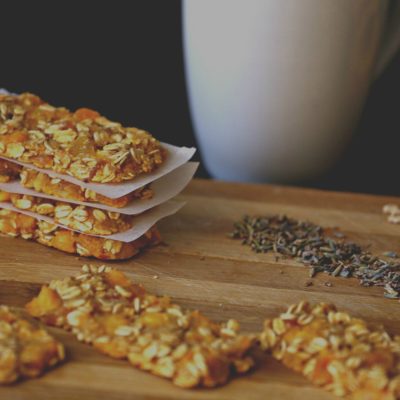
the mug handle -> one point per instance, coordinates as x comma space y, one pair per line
391, 39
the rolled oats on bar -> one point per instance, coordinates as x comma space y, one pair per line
336, 351
104, 308
26, 350
82, 144
17, 224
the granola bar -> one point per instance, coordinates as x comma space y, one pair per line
102, 307
16, 224
43, 183
85, 219
83, 143
8, 171
25, 349
336, 351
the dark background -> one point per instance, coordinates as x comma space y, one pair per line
125, 60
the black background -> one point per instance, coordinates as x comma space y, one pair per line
124, 59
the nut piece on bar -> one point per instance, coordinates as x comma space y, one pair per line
83, 143
43, 183
26, 350
103, 307
336, 351
16, 224
8, 171
82, 218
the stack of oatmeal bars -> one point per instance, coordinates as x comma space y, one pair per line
81, 183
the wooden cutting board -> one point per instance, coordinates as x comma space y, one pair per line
200, 267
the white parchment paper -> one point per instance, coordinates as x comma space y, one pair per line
164, 188
142, 223
176, 157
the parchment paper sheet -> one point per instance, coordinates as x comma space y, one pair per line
164, 188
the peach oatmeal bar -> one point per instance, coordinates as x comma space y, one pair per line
26, 350
43, 183
16, 224
83, 143
85, 219
103, 307
336, 351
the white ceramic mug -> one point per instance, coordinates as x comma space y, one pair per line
276, 86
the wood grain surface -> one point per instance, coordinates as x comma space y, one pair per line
200, 267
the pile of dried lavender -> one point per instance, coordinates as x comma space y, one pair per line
312, 246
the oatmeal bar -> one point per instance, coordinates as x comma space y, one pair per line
102, 307
16, 224
25, 349
83, 143
85, 219
43, 183
8, 171
336, 351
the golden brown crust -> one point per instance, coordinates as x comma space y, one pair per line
85, 219
16, 224
8, 171
336, 351
82, 144
43, 183
25, 349
106, 309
